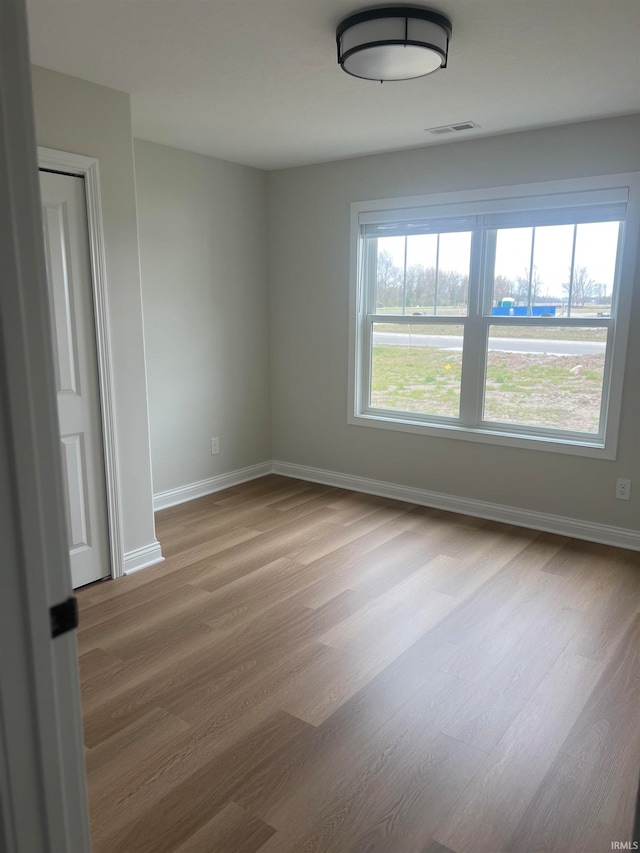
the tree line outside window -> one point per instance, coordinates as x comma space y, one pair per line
407, 287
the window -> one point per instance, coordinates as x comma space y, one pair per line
498, 316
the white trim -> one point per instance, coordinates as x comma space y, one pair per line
575, 528
190, 492
485, 196
143, 333
489, 435
581, 190
590, 531
142, 558
87, 167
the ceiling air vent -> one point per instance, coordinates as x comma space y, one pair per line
452, 128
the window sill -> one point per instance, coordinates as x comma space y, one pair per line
570, 446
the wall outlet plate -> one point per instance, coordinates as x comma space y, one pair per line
623, 489
215, 446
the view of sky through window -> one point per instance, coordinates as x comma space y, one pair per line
550, 248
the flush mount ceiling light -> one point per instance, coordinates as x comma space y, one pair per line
393, 43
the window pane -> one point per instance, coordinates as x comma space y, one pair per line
531, 266
533, 270
551, 262
593, 269
389, 273
422, 257
545, 377
453, 274
417, 368
511, 279
423, 274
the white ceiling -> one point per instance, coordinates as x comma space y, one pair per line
257, 81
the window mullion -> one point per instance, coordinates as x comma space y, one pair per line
367, 307
370, 272
474, 346
365, 363
606, 382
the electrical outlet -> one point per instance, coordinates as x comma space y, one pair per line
215, 446
623, 490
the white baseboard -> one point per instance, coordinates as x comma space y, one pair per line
190, 492
143, 557
591, 531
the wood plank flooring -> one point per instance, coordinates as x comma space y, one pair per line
317, 670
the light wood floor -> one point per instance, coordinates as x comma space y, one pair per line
317, 670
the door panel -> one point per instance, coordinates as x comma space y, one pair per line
57, 252
74, 468
69, 278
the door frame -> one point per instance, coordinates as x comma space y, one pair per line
87, 167
43, 802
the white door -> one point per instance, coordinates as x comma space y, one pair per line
69, 276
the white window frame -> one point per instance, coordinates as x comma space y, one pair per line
525, 197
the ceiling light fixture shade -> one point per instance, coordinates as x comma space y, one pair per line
393, 43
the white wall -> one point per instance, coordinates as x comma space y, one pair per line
236, 355
309, 280
203, 251
80, 117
